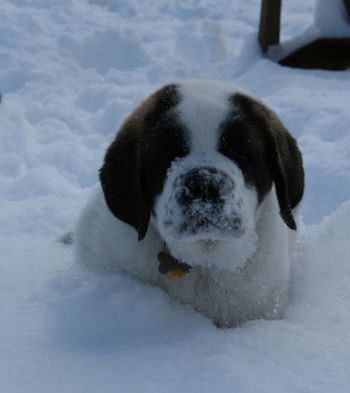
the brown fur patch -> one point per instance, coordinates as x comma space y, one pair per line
266, 152
130, 178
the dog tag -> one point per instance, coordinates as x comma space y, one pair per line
176, 274
171, 266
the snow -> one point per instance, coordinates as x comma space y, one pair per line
332, 19
70, 72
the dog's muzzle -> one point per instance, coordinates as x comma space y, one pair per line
205, 196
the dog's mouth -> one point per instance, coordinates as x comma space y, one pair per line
208, 244
207, 228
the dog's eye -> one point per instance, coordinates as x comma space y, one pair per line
236, 155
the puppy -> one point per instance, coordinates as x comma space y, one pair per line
202, 183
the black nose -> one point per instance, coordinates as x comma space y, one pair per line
205, 184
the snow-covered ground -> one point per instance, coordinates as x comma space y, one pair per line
70, 71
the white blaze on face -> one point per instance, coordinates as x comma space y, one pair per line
202, 108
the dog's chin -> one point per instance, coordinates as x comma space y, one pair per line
208, 244
195, 252
215, 252
203, 245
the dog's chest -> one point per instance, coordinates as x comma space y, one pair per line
227, 298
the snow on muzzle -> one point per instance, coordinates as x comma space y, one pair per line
203, 205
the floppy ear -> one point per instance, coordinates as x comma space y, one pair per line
285, 164
120, 180
278, 150
281, 185
120, 174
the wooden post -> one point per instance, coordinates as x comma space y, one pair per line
347, 6
270, 18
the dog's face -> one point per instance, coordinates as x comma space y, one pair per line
197, 159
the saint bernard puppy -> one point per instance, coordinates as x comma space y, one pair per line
199, 194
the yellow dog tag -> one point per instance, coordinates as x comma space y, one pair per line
176, 273
171, 266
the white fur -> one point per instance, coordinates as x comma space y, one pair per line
232, 280
202, 109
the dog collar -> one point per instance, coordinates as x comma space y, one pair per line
171, 266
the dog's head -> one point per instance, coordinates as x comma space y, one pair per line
197, 159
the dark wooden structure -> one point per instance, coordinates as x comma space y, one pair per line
324, 53
270, 20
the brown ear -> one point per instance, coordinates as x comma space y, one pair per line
281, 185
120, 180
285, 164
274, 148
120, 174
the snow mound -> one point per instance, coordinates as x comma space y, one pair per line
111, 49
131, 334
112, 311
332, 19
124, 9
200, 45
323, 271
